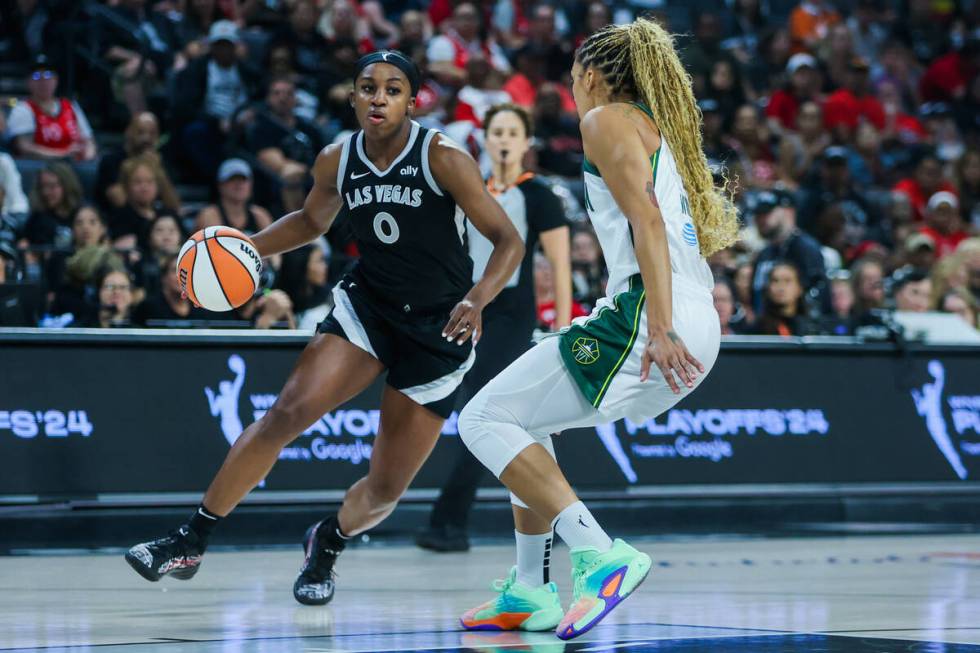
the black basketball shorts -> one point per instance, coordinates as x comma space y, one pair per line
421, 363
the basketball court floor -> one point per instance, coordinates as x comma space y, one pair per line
833, 595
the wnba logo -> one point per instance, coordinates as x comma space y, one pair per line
965, 412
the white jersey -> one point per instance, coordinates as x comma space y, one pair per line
690, 270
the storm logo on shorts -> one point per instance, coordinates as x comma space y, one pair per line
585, 350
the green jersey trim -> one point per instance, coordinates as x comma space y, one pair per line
596, 350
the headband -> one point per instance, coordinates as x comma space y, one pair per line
396, 59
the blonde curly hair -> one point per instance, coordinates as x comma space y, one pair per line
638, 60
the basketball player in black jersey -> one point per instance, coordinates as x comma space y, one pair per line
409, 307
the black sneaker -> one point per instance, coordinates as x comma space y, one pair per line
315, 583
443, 539
178, 555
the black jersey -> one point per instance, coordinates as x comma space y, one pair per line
410, 232
533, 208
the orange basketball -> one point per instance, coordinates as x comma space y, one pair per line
218, 268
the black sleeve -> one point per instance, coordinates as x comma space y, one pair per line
544, 208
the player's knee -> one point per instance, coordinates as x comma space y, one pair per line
282, 423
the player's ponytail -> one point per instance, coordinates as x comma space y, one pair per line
639, 60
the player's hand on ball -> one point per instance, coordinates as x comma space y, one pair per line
667, 351
466, 321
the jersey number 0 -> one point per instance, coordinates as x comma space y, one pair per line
385, 228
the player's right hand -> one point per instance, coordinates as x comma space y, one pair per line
466, 321
668, 352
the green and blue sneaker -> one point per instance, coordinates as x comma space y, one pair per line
601, 581
517, 607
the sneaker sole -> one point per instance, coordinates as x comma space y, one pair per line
142, 569
539, 621
627, 586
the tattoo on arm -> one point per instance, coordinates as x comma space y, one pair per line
652, 194
673, 336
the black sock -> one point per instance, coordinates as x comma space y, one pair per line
203, 522
333, 538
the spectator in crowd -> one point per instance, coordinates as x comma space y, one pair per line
868, 29
528, 80
588, 272
947, 78
723, 295
810, 23
746, 21
848, 106
148, 195
312, 49
969, 253
163, 243
414, 32
544, 295
191, 31
705, 49
142, 135
783, 311
597, 16
803, 86
88, 229
478, 95
869, 287
139, 44
280, 63
342, 24
911, 290
285, 144
924, 183
775, 219
56, 196
900, 125
751, 143
962, 303
721, 156
45, 126
166, 303
234, 207
920, 251
943, 223
208, 93
303, 276
560, 141
725, 86
742, 280
842, 301
271, 309
448, 53
115, 299
968, 185
836, 187
14, 206
76, 293
543, 36
836, 53
798, 150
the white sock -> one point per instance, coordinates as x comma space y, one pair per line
533, 558
576, 525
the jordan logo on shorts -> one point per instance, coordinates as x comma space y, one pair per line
585, 350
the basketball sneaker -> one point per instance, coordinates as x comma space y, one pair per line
178, 554
517, 607
315, 583
601, 581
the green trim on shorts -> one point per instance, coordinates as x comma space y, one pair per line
594, 351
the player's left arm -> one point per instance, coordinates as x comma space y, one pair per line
457, 173
612, 143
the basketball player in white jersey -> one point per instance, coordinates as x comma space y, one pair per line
650, 197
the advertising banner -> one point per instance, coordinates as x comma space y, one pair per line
89, 419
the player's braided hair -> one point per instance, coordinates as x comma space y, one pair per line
638, 60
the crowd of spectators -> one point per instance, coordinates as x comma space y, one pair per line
848, 132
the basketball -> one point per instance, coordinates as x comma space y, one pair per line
218, 268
